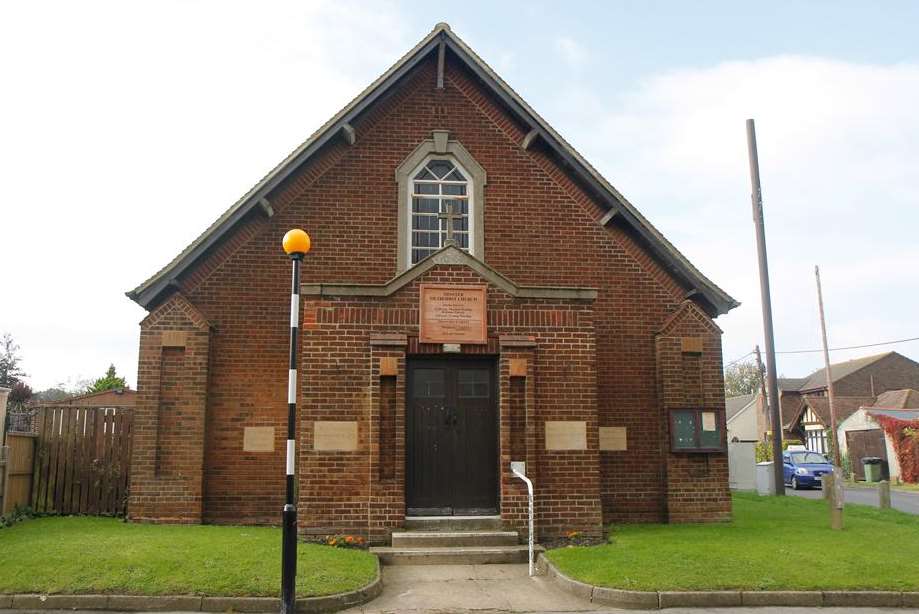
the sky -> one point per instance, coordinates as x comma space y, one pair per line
126, 128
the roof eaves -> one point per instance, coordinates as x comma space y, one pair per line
148, 290
719, 299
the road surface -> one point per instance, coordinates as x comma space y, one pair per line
904, 501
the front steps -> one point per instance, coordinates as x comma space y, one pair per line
453, 540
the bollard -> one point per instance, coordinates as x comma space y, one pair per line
884, 495
827, 486
837, 498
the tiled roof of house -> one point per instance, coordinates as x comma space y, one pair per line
898, 399
817, 379
733, 405
791, 383
844, 406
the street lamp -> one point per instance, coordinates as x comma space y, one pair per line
296, 244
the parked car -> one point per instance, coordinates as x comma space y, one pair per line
805, 469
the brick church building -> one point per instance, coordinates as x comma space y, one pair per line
476, 294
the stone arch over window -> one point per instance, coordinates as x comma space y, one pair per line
438, 174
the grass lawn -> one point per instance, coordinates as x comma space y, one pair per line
772, 544
104, 555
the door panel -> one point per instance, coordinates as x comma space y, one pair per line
864, 443
452, 447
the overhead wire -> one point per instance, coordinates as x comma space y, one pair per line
847, 347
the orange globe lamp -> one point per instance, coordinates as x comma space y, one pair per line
296, 242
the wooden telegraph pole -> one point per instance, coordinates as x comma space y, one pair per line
835, 486
762, 382
771, 377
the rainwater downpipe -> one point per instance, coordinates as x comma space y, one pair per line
518, 468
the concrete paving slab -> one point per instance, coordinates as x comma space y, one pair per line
463, 588
729, 610
501, 589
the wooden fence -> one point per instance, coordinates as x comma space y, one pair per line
82, 460
16, 471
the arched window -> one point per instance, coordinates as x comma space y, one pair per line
439, 181
441, 207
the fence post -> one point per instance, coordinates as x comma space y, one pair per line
4, 393
884, 495
4, 454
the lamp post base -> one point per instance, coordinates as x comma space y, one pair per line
289, 560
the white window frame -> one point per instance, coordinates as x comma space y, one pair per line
439, 146
410, 194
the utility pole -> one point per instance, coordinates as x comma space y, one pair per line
829, 376
834, 486
771, 377
762, 382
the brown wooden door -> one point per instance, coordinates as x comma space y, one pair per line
865, 443
452, 447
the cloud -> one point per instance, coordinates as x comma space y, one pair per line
838, 163
574, 53
128, 129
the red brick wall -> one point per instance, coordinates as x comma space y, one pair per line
169, 416
540, 230
340, 363
697, 484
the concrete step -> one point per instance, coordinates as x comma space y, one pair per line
479, 555
453, 523
429, 539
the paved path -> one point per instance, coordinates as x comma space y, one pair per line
904, 501
493, 611
501, 589
463, 588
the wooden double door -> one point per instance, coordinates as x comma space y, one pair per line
452, 432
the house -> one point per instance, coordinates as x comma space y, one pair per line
866, 376
742, 413
476, 294
812, 421
861, 435
855, 383
748, 415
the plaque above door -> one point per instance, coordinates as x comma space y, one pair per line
452, 313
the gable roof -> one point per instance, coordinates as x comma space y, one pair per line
817, 379
717, 301
791, 383
734, 405
898, 399
844, 406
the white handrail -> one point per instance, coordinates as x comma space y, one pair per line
516, 470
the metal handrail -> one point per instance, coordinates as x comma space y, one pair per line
518, 469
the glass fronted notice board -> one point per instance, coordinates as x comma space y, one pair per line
697, 430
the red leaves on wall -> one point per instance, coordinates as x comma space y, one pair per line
905, 437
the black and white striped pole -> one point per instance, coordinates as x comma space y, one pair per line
296, 245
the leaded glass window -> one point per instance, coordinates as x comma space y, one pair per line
440, 197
